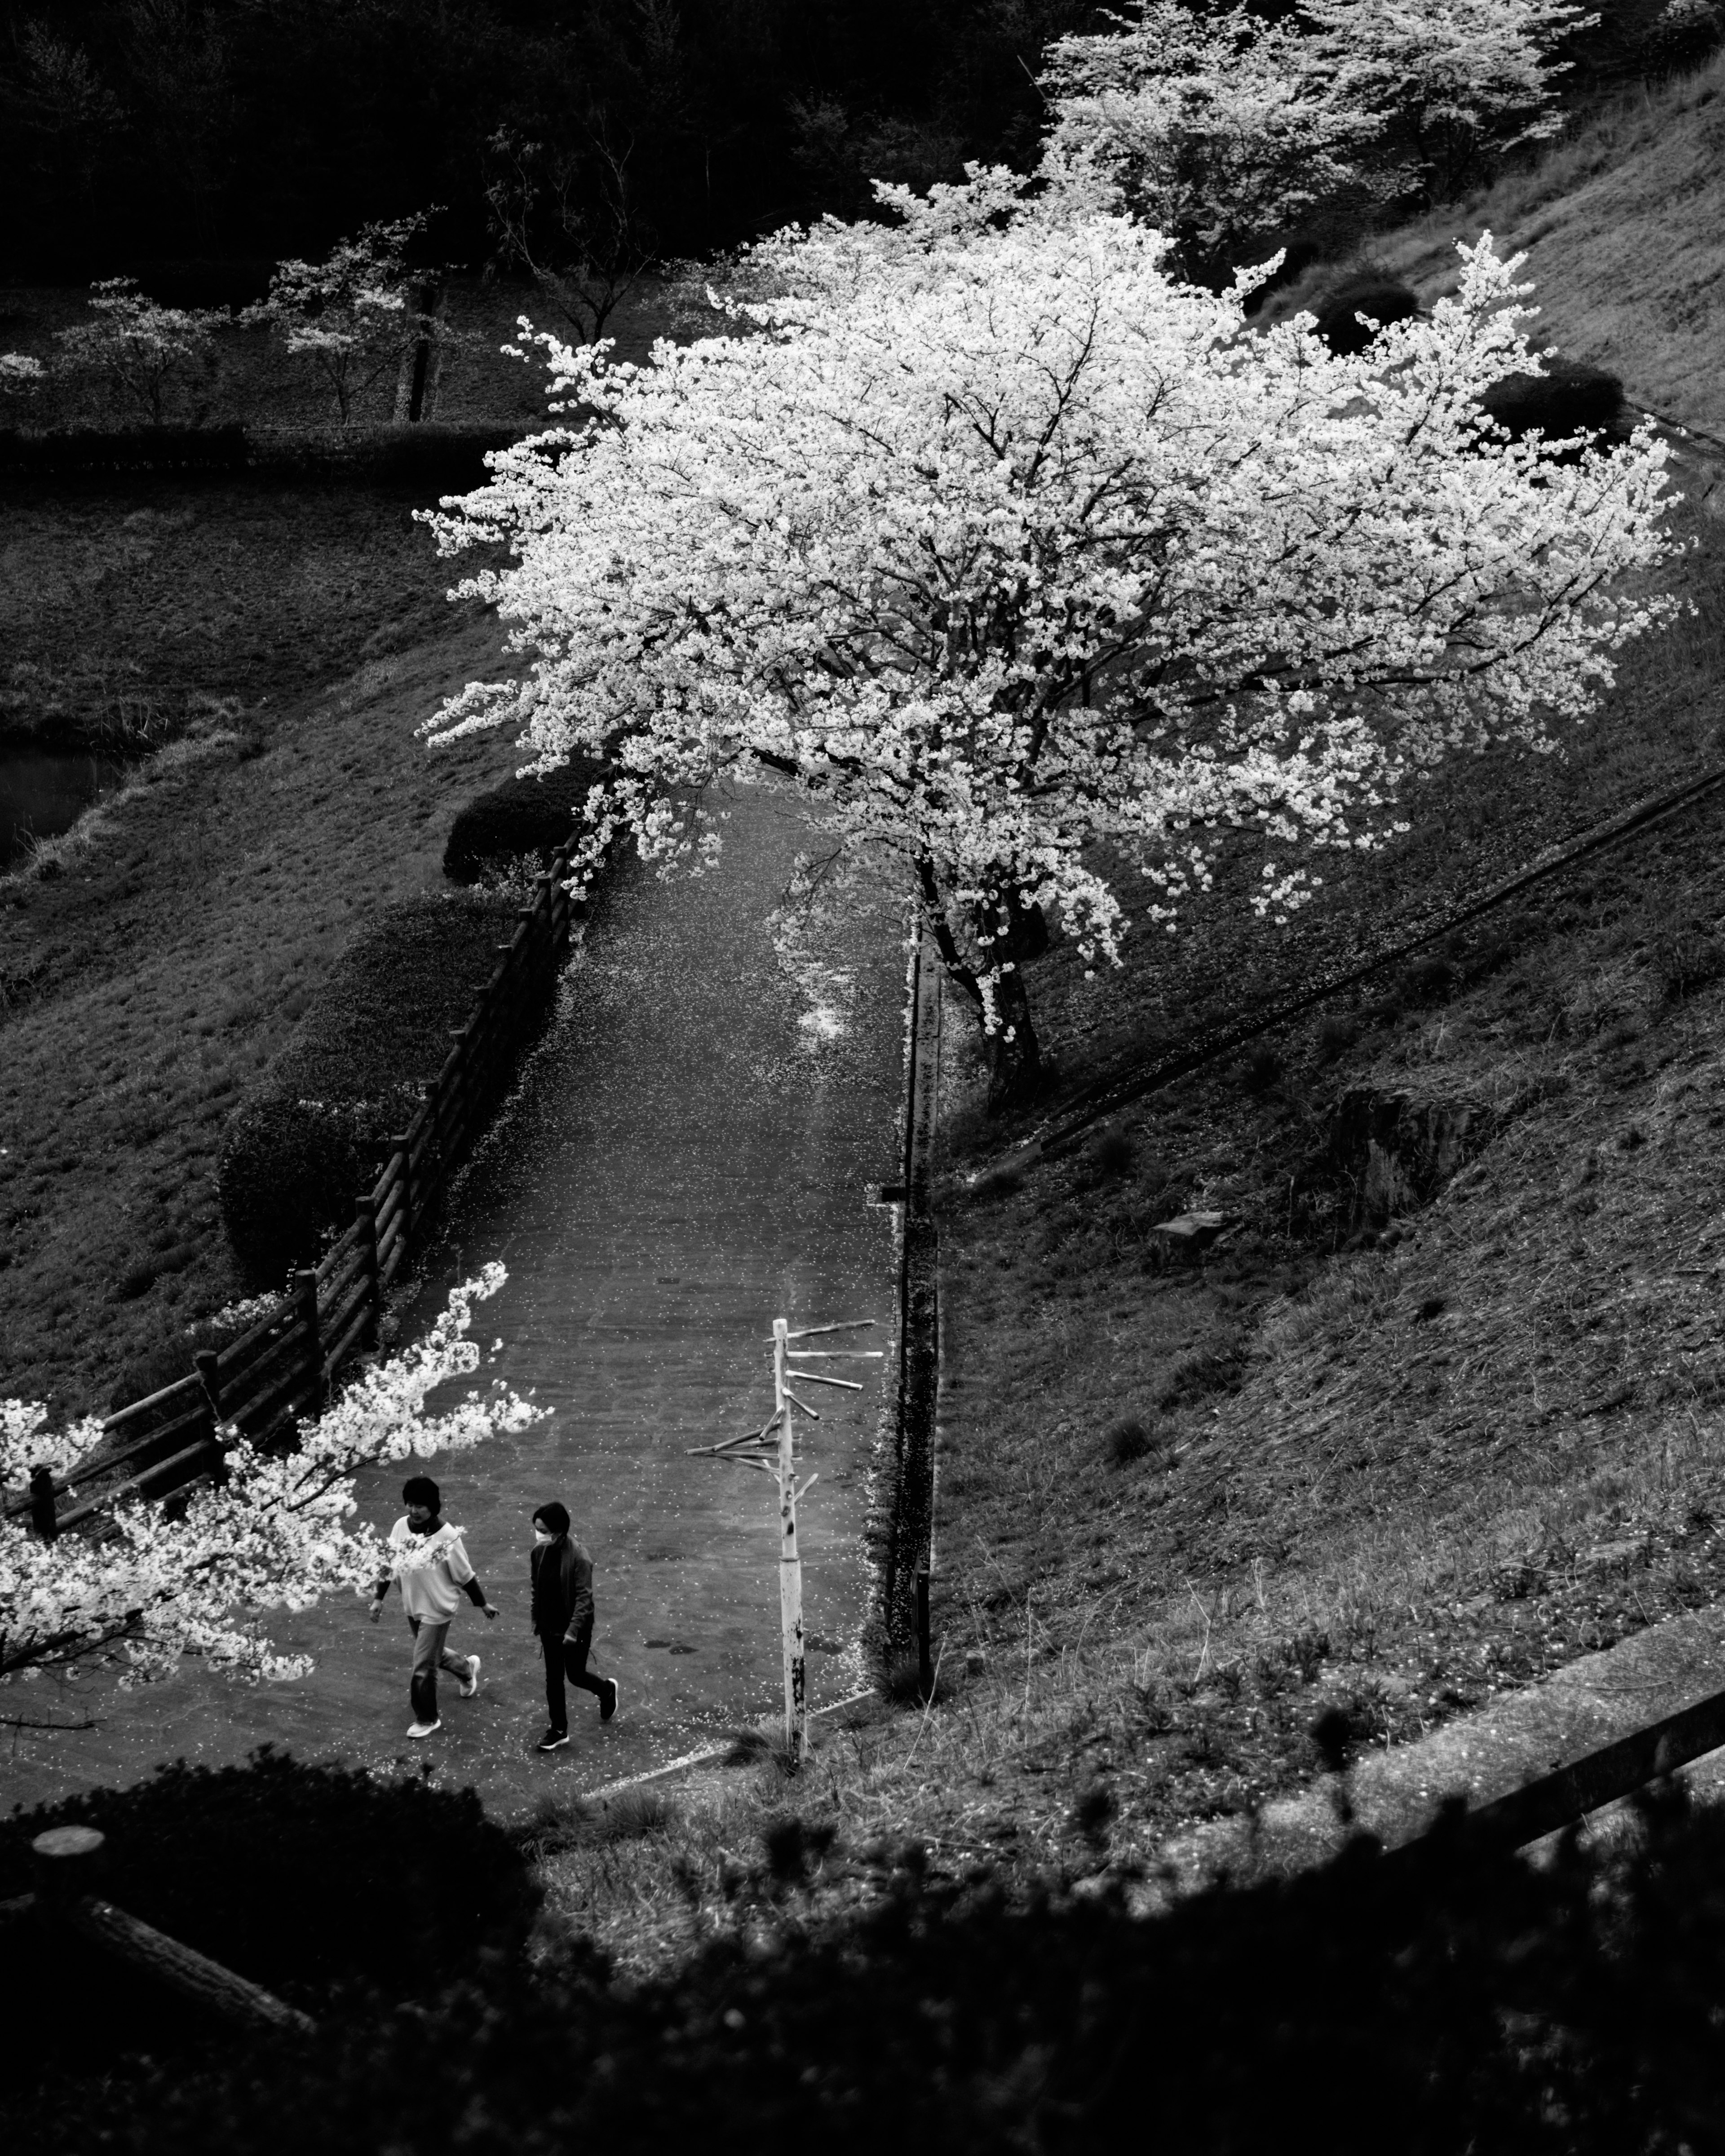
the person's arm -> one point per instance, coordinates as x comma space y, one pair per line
456, 1557
382, 1588
580, 1590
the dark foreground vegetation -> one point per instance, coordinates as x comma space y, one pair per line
1463, 2000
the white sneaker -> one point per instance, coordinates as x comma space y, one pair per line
470, 1685
425, 1728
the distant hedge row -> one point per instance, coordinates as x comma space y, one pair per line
438, 460
523, 819
313, 1133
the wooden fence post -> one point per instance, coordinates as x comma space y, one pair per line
42, 1512
68, 1865
365, 1217
402, 1144
306, 1293
206, 1361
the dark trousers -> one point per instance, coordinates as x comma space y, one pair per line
567, 1658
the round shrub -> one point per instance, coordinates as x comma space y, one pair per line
1568, 398
524, 819
1384, 298
314, 1130
301, 1877
1129, 1439
289, 1169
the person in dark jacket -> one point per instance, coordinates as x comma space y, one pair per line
562, 1618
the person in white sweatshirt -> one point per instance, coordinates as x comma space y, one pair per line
431, 1563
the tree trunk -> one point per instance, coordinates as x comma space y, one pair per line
1015, 1071
1018, 933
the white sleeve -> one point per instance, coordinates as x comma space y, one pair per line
455, 1556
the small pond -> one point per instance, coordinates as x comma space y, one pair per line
43, 792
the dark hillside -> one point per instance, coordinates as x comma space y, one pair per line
153, 960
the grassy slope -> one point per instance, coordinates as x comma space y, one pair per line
1624, 233
1415, 1473
170, 957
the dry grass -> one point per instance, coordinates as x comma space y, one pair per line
1624, 227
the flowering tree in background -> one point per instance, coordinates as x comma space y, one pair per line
169, 1582
1453, 82
18, 371
1219, 125
1214, 126
1000, 542
144, 354
351, 316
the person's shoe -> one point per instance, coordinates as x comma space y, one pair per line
608, 1705
470, 1684
552, 1741
425, 1728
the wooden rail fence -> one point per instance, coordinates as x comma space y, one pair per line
909, 1541
282, 1367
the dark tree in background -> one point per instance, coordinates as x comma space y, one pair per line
165, 137
136, 134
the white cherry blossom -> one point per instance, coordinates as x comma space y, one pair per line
194, 1575
1000, 540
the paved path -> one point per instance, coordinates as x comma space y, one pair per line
685, 1156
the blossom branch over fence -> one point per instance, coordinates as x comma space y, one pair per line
192, 1575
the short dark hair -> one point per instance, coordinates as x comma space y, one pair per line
555, 1515
421, 1489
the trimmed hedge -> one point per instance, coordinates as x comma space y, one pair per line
1469, 2002
522, 818
304, 1878
313, 1133
71, 450
1385, 299
1568, 398
425, 457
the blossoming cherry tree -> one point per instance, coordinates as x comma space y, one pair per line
1000, 543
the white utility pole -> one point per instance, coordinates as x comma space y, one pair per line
772, 1448
790, 1564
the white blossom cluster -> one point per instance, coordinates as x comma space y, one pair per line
1003, 541
193, 1576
